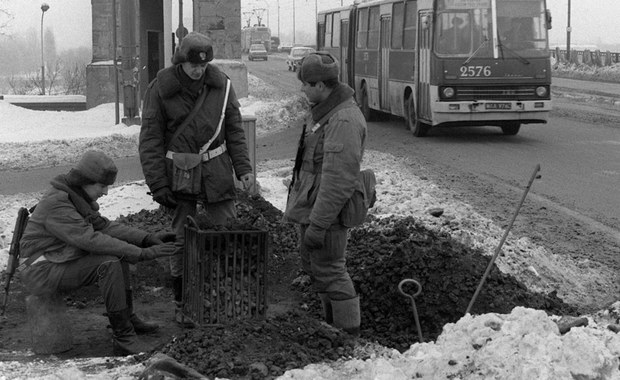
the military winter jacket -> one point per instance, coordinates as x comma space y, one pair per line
167, 102
333, 147
66, 226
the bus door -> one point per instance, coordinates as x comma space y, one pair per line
344, 52
384, 64
424, 65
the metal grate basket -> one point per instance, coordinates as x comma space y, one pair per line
225, 275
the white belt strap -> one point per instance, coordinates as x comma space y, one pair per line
210, 154
206, 156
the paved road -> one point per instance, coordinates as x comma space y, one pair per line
580, 161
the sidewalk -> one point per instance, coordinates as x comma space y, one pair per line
595, 88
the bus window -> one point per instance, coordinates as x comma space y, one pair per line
362, 29
328, 30
373, 28
521, 26
398, 16
410, 25
321, 34
345, 34
454, 33
336, 31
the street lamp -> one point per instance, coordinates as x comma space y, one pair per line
44, 8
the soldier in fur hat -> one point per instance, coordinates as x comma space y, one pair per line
325, 176
212, 141
68, 244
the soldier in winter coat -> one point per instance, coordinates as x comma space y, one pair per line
326, 175
168, 101
67, 244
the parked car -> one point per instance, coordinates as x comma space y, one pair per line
296, 55
257, 51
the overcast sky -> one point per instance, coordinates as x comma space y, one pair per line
592, 21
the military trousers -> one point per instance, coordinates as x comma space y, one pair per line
327, 265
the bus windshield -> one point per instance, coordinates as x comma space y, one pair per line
465, 27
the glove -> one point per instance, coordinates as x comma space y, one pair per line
247, 180
156, 251
165, 197
314, 237
158, 238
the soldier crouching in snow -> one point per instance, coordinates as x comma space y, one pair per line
68, 244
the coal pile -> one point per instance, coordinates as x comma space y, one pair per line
259, 349
381, 253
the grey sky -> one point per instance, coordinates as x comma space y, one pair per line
592, 21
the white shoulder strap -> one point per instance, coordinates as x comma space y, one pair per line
206, 146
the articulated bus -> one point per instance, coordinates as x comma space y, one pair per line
444, 62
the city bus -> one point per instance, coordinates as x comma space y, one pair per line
444, 62
258, 34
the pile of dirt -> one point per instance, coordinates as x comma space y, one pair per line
381, 253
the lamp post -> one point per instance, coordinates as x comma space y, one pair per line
568, 30
44, 8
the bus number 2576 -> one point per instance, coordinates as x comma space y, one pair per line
475, 71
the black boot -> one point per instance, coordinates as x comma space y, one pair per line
124, 338
139, 325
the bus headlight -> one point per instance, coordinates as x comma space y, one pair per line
541, 91
448, 92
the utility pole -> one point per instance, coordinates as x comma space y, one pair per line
568, 35
293, 22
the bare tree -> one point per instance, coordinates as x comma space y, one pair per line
74, 79
6, 18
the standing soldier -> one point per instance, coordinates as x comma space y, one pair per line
327, 168
192, 143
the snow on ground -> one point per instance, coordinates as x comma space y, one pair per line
525, 344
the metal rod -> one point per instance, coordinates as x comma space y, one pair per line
499, 246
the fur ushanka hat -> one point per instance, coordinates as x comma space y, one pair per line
318, 67
194, 48
94, 167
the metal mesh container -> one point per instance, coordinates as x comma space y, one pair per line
225, 275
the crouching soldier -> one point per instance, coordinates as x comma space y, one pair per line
68, 244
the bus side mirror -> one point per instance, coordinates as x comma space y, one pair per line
548, 18
425, 21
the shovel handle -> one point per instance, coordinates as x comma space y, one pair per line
499, 246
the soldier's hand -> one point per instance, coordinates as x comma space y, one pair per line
158, 238
157, 251
247, 180
165, 197
314, 237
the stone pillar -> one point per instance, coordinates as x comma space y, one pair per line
221, 21
100, 74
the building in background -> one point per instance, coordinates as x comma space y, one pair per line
141, 36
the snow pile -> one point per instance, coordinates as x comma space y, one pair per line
524, 344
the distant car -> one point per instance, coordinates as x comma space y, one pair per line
296, 55
257, 51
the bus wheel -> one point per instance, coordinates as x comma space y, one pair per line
363, 103
511, 129
412, 122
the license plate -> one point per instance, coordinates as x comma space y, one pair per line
497, 106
